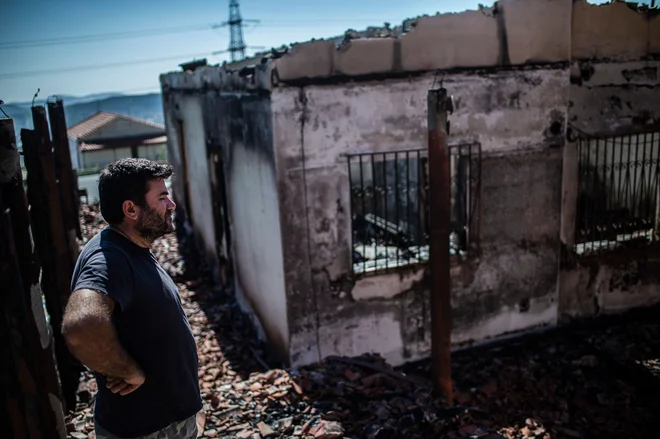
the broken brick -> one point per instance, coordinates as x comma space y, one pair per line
265, 430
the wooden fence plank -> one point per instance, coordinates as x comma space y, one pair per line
67, 184
33, 393
51, 243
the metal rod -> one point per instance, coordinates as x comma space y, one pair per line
594, 189
648, 185
408, 234
385, 216
585, 158
362, 212
421, 210
646, 191
477, 194
351, 191
590, 223
656, 189
468, 201
606, 203
396, 201
579, 213
460, 194
374, 203
621, 175
650, 210
628, 195
439, 176
611, 169
636, 190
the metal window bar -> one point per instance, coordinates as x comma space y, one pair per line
618, 191
389, 206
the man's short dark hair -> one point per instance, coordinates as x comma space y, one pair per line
126, 179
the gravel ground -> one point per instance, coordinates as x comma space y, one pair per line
587, 383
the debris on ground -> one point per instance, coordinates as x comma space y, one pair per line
554, 386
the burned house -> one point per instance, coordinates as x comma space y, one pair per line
303, 179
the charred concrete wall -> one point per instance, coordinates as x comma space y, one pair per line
254, 207
615, 88
517, 116
227, 139
191, 183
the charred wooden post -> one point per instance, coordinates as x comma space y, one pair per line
31, 389
67, 184
50, 241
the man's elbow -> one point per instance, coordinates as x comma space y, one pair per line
76, 330
73, 333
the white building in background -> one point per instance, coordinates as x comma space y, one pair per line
105, 137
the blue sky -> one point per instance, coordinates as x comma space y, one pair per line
282, 22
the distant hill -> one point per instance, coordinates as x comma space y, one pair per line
148, 107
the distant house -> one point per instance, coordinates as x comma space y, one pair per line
105, 137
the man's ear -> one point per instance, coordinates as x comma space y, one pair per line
130, 210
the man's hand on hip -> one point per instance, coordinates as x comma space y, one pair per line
125, 385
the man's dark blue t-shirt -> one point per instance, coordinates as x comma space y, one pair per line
153, 329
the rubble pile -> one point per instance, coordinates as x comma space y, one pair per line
636, 344
564, 385
554, 386
91, 221
331, 400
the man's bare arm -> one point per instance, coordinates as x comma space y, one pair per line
91, 337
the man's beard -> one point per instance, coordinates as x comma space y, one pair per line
151, 225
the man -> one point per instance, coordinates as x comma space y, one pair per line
124, 319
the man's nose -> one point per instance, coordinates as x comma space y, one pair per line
171, 205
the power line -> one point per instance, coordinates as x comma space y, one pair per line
91, 38
255, 48
104, 36
101, 66
153, 88
324, 20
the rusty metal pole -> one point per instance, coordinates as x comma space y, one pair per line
439, 104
